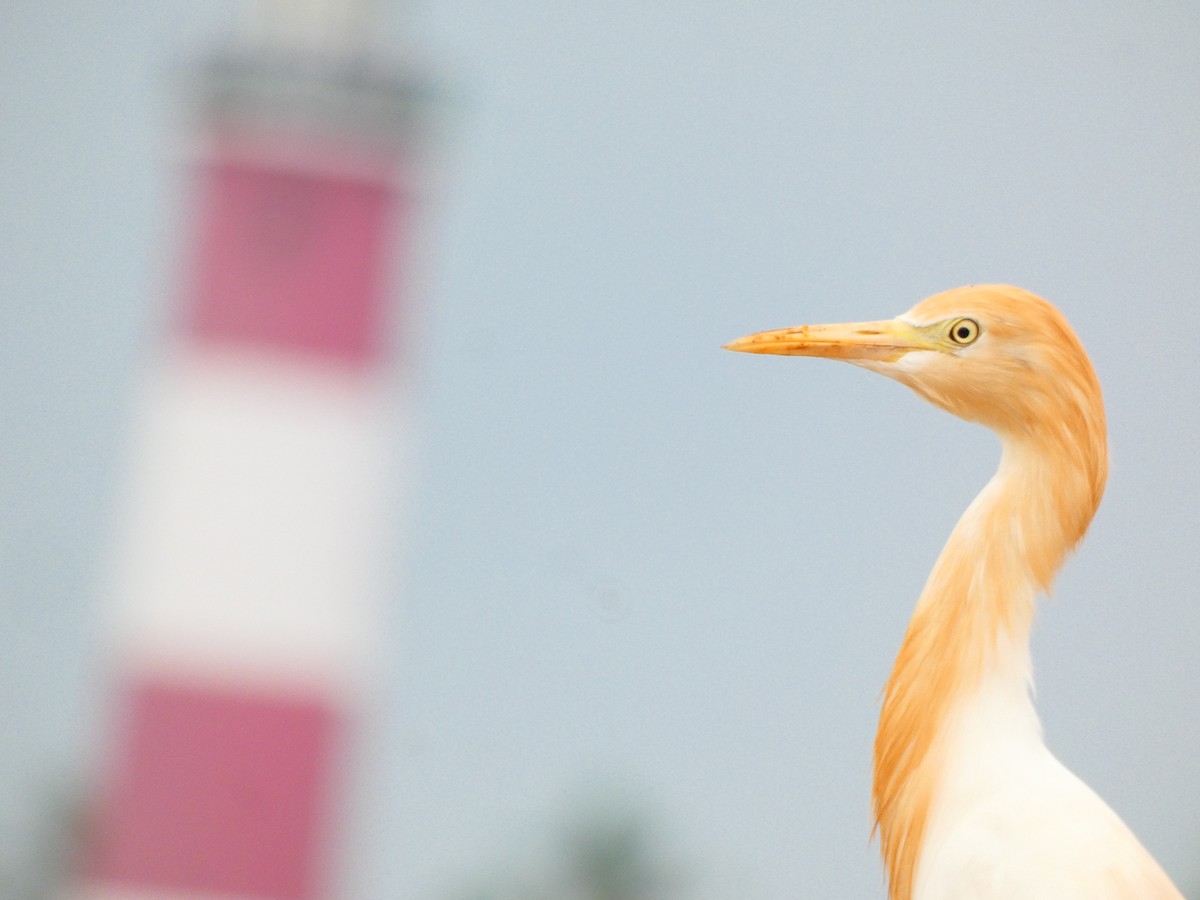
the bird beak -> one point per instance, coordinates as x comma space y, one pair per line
880, 341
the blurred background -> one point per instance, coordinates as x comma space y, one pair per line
639, 596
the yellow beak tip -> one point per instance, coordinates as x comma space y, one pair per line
741, 345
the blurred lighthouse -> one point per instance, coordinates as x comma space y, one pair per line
246, 595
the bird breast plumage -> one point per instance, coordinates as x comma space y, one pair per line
1010, 821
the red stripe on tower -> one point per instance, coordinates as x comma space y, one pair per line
293, 258
244, 614
219, 792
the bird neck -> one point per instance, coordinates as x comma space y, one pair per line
968, 641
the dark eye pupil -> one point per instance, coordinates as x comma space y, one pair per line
963, 332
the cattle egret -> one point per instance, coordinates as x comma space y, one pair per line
968, 802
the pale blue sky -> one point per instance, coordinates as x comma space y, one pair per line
632, 562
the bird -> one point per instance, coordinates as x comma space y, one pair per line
968, 801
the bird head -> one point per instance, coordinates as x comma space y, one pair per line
992, 354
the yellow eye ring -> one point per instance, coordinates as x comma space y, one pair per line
964, 331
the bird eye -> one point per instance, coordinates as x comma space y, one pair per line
964, 331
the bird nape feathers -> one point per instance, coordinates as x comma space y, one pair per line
968, 802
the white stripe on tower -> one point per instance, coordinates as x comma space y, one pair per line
244, 616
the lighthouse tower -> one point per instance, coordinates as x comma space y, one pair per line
246, 595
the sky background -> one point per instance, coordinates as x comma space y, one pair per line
634, 570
